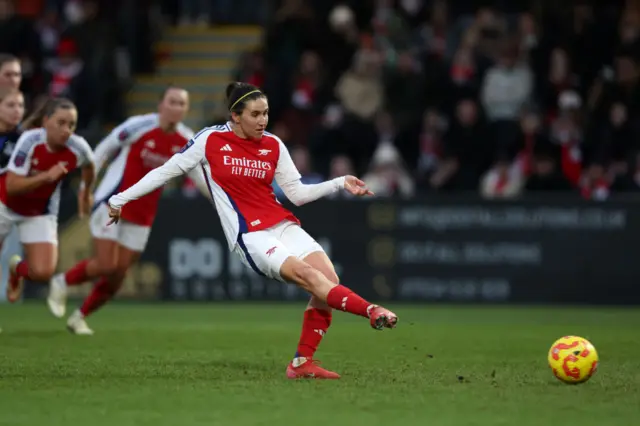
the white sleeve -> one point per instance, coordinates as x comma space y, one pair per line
122, 135
182, 162
105, 150
197, 176
85, 155
288, 178
20, 160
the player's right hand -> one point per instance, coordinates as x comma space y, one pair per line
114, 215
56, 172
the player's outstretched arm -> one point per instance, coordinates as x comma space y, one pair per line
288, 178
181, 163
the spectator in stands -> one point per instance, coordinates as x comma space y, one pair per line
464, 75
629, 28
433, 37
405, 87
360, 93
503, 180
596, 182
619, 142
10, 71
430, 145
49, 27
560, 78
546, 175
629, 181
490, 30
66, 76
387, 175
252, 68
567, 132
531, 135
360, 90
342, 40
506, 90
467, 152
530, 38
307, 84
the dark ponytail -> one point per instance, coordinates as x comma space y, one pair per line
46, 109
238, 94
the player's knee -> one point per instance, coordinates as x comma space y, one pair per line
332, 276
301, 273
41, 272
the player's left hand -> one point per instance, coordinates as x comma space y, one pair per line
114, 214
356, 187
85, 201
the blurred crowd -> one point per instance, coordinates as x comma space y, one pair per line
419, 96
416, 96
85, 50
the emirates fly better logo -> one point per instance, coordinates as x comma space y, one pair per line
247, 167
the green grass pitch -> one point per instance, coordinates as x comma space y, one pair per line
164, 364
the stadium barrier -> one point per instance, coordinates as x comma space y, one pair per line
458, 249
453, 249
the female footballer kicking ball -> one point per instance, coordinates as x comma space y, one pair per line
239, 161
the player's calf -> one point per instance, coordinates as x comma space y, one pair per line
336, 296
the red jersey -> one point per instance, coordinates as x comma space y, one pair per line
240, 174
31, 156
139, 145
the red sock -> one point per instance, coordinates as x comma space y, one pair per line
22, 269
102, 292
77, 274
314, 327
340, 297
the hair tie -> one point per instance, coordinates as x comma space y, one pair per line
242, 97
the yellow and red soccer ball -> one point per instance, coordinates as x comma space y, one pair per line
573, 359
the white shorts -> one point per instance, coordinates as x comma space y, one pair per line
265, 251
32, 229
132, 236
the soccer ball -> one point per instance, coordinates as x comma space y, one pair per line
573, 359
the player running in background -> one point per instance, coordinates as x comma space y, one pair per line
135, 147
11, 114
30, 189
240, 161
10, 78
